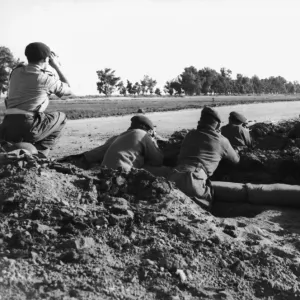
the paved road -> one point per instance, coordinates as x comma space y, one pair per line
81, 135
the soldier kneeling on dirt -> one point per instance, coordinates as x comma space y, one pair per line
28, 97
201, 151
134, 148
235, 131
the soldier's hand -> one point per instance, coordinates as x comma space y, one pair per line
53, 60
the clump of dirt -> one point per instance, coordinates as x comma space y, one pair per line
275, 157
281, 128
68, 233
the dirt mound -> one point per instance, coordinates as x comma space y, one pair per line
171, 148
281, 128
66, 233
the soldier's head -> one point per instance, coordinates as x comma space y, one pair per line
141, 122
237, 118
37, 53
209, 117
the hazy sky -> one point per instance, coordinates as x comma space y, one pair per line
157, 37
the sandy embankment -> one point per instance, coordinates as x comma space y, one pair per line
81, 135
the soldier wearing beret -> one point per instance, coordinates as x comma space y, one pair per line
28, 97
134, 148
235, 132
156, 137
201, 151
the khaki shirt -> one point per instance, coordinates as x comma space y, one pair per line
30, 86
131, 149
206, 147
237, 135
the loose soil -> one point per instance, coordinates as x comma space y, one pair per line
69, 233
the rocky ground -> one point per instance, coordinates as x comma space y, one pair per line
68, 233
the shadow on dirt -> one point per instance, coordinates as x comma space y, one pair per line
290, 222
233, 210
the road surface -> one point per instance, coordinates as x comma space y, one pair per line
84, 134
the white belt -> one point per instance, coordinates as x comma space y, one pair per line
17, 111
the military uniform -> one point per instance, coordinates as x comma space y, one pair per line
134, 148
201, 151
25, 119
28, 96
238, 136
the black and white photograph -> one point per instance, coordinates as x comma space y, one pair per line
149, 149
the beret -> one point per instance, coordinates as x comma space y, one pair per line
208, 111
37, 51
237, 116
142, 120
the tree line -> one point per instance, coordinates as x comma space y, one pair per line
191, 82
205, 81
7, 63
108, 83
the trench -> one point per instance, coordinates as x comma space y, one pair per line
168, 122
271, 171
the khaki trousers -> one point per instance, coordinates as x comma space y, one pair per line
194, 182
40, 129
